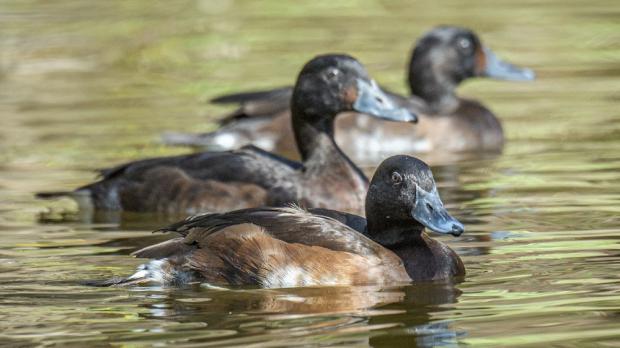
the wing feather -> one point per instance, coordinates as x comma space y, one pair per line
291, 225
255, 104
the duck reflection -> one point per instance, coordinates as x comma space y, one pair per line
109, 220
422, 302
362, 315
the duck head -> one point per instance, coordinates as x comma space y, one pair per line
447, 55
334, 83
403, 196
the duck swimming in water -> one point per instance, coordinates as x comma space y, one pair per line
250, 176
291, 247
441, 60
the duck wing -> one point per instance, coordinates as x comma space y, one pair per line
289, 224
232, 165
255, 104
353, 221
411, 102
216, 181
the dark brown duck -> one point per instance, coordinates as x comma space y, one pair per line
290, 247
441, 60
250, 177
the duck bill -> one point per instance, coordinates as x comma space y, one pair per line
498, 69
373, 101
430, 212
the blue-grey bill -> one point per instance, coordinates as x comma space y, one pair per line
430, 212
373, 101
501, 70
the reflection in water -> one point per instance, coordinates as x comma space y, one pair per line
119, 219
344, 312
424, 300
294, 301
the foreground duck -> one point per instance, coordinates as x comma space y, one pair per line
442, 59
250, 177
290, 247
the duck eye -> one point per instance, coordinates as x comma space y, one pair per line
332, 74
396, 178
464, 44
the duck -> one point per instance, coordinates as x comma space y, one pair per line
281, 247
219, 181
448, 124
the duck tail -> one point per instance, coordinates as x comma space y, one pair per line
244, 97
150, 273
53, 194
83, 196
116, 282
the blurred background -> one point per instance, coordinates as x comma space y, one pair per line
85, 85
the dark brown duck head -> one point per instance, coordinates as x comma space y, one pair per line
402, 200
448, 55
332, 84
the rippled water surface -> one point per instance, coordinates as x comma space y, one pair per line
87, 84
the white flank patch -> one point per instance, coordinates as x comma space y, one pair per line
378, 144
225, 140
329, 280
266, 143
288, 277
151, 271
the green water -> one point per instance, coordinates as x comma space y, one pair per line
88, 84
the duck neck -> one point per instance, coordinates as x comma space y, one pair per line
436, 88
318, 149
423, 257
394, 234
313, 138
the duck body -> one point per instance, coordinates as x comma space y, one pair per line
269, 248
250, 176
197, 182
469, 127
220, 181
290, 247
441, 60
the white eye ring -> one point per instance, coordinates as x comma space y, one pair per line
464, 43
396, 178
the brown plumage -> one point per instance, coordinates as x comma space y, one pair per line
279, 247
288, 247
183, 193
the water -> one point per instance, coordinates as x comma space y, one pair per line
85, 85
